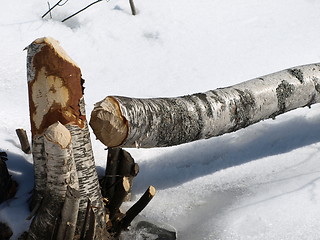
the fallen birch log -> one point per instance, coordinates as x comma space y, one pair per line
160, 122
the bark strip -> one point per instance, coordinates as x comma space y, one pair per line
69, 215
162, 122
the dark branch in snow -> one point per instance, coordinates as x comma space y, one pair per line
50, 9
81, 10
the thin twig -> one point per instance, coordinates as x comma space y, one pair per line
51, 9
133, 8
60, 5
81, 10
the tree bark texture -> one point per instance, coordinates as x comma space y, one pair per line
162, 122
69, 215
56, 95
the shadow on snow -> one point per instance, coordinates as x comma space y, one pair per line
189, 161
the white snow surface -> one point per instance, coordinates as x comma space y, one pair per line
261, 182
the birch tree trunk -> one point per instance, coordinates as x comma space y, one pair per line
56, 95
61, 174
160, 122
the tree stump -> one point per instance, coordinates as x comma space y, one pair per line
56, 95
67, 201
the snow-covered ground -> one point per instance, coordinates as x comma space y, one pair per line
262, 182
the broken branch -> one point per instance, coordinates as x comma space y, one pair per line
138, 207
24, 142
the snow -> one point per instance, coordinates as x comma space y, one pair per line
261, 182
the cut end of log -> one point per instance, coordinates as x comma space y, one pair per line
108, 123
126, 184
152, 191
59, 134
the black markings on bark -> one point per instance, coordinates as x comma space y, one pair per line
206, 102
242, 108
200, 124
219, 99
168, 117
284, 90
297, 73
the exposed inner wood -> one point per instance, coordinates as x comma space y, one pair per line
108, 123
58, 134
55, 86
56, 45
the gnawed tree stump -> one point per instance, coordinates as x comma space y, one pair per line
160, 122
61, 174
67, 201
56, 95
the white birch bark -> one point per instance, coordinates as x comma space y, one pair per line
161, 122
88, 178
61, 166
39, 165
